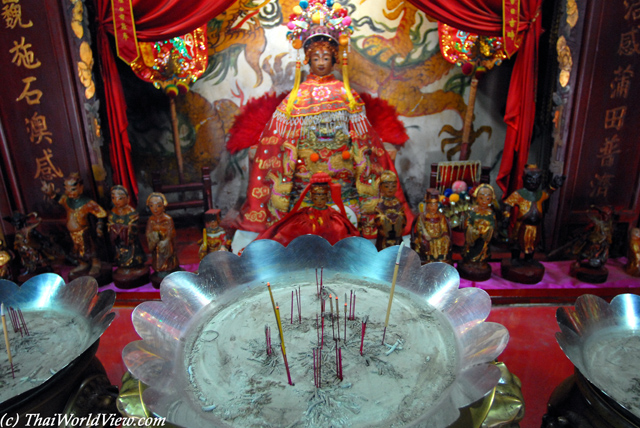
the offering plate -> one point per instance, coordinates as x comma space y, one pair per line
192, 305
602, 340
63, 321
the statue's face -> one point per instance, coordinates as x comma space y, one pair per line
73, 190
212, 224
532, 179
319, 198
119, 199
432, 206
321, 62
156, 205
484, 197
388, 189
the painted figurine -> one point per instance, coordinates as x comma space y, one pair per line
161, 238
79, 208
526, 228
214, 237
390, 216
31, 259
592, 250
5, 262
430, 233
321, 126
633, 253
479, 225
122, 225
318, 219
29, 245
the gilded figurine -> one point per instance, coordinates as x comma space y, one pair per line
214, 237
525, 232
633, 253
6, 257
122, 225
430, 233
161, 238
592, 249
390, 216
30, 245
479, 224
79, 209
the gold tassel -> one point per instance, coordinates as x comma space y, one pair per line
294, 92
345, 80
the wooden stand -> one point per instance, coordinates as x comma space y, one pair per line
104, 277
589, 274
21, 279
521, 271
127, 278
157, 277
474, 271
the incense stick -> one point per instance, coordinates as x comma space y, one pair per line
364, 328
393, 286
276, 310
6, 338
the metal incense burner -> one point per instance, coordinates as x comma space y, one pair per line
224, 279
602, 340
63, 325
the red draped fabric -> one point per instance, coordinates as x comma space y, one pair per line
484, 17
155, 20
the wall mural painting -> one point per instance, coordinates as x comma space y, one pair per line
394, 56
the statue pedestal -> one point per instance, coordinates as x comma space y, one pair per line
157, 277
103, 277
521, 271
474, 271
589, 274
22, 278
127, 278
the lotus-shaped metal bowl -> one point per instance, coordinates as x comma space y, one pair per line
63, 320
159, 361
603, 341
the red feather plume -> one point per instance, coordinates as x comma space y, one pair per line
384, 119
251, 120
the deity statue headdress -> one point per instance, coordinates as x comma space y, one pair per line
321, 20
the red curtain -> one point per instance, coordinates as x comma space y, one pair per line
485, 17
155, 20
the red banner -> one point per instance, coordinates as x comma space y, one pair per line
510, 21
124, 30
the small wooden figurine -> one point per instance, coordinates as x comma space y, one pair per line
79, 208
479, 225
430, 233
28, 243
161, 237
214, 237
526, 231
122, 225
390, 215
633, 253
5, 262
31, 259
592, 251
